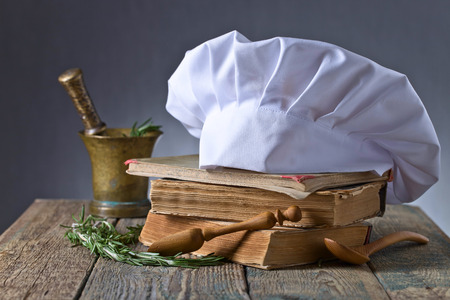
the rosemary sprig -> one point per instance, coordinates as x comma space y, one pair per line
143, 128
103, 240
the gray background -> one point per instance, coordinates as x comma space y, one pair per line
128, 50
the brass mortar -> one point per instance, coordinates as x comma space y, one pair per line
117, 194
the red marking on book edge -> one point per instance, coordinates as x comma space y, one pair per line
369, 233
299, 178
130, 161
391, 176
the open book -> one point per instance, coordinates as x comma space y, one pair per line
297, 186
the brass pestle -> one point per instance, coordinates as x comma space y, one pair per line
73, 83
360, 254
192, 239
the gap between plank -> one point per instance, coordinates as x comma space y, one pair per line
372, 268
89, 272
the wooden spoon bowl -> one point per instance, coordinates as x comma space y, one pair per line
345, 253
360, 254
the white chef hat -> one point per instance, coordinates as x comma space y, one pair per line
288, 105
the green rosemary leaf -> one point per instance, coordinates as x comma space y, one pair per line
82, 213
102, 239
142, 129
145, 122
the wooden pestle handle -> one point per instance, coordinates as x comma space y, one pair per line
264, 220
394, 238
193, 239
181, 242
72, 81
293, 214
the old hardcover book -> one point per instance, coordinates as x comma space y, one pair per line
297, 186
335, 207
266, 249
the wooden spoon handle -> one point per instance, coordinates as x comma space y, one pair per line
394, 238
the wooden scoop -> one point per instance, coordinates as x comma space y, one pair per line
193, 239
360, 254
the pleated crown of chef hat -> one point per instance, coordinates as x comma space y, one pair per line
286, 105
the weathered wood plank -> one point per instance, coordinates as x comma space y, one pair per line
36, 261
333, 280
114, 280
408, 270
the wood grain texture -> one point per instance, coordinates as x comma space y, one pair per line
408, 270
331, 281
36, 261
114, 280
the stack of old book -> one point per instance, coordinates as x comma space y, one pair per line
333, 205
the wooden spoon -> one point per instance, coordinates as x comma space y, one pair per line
360, 254
193, 239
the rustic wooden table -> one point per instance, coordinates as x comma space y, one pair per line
36, 261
